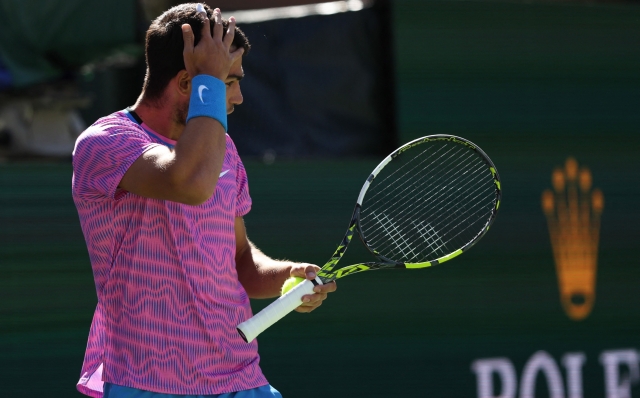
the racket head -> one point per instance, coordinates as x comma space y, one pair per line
427, 202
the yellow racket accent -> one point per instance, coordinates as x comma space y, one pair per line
438, 261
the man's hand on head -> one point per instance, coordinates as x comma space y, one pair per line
212, 55
312, 301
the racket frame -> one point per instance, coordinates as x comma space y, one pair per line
327, 273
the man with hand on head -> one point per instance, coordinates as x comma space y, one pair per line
161, 192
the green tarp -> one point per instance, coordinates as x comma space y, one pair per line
43, 40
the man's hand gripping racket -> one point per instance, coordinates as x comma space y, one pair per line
427, 202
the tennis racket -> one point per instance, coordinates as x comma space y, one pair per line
427, 202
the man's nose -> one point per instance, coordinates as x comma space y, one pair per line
237, 98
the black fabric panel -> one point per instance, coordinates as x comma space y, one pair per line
317, 86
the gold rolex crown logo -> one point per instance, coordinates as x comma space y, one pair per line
573, 212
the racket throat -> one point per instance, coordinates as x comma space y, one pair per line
342, 247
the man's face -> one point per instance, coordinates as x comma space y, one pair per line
236, 73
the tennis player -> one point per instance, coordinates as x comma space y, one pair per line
161, 192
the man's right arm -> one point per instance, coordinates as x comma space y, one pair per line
189, 173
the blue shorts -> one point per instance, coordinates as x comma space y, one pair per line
116, 391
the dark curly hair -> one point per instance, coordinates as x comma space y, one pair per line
164, 45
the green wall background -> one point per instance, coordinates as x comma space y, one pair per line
531, 83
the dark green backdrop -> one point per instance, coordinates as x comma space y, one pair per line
531, 83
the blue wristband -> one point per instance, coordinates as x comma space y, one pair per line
208, 98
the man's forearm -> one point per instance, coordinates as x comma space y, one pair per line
199, 155
260, 275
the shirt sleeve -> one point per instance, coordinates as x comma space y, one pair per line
102, 156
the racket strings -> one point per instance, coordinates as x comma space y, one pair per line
430, 235
441, 212
448, 226
429, 204
419, 203
451, 218
407, 164
417, 186
435, 244
401, 179
440, 172
395, 235
450, 205
487, 212
420, 183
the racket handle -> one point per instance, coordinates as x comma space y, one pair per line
252, 327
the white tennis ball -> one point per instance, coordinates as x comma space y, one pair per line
291, 283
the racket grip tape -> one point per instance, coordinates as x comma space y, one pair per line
252, 327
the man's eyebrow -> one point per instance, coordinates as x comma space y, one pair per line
236, 77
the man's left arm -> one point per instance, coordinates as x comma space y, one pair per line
262, 276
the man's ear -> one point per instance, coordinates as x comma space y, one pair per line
184, 83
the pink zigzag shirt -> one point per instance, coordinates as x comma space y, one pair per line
169, 298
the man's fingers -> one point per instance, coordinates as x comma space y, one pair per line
236, 54
309, 306
326, 288
206, 27
231, 31
311, 270
217, 27
187, 37
312, 301
303, 270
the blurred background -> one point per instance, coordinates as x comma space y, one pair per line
547, 305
